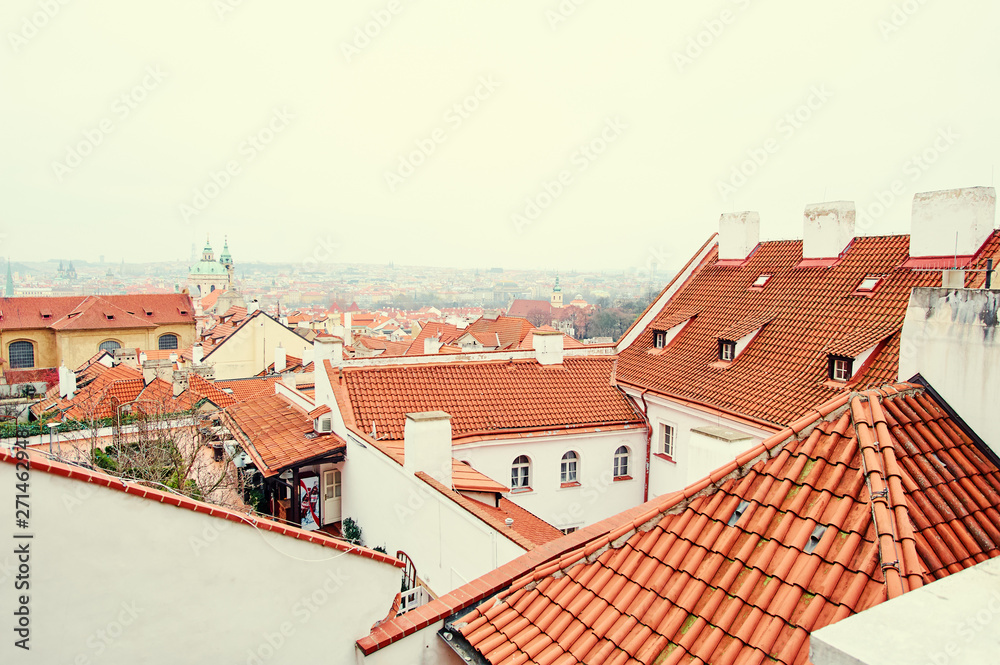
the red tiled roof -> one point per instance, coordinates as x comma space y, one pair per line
524, 308
278, 434
202, 388
814, 313
245, 389
465, 478
40, 464
446, 332
484, 397
91, 312
391, 348
509, 331
99, 398
868, 496
208, 300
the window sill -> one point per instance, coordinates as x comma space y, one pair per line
720, 364
837, 385
666, 458
566, 485
520, 490
621, 478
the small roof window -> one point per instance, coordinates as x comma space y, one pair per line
868, 284
761, 280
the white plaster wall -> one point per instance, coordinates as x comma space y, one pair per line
950, 337
251, 349
449, 546
599, 495
690, 464
117, 578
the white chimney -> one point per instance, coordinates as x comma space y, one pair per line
252, 306
432, 345
67, 382
739, 233
828, 229
328, 348
197, 354
427, 445
179, 381
307, 355
940, 218
548, 345
280, 359
142, 357
348, 336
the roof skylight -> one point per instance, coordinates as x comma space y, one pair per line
762, 279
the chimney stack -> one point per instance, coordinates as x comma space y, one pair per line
197, 354
548, 345
348, 336
280, 359
739, 233
252, 306
307, 355
939, 219
67, 382
432, 345
828, 228
328, 348
427, 445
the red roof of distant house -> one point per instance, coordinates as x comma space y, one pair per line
93, 312
486, 397
508, 331
208, 300
445, 332
526, 308
389, 347
809, 312
245, 389
208, 390
867, 496
278, 434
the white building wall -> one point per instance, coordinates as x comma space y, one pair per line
115, 578
251, 349
598, 496
695, 456
397, 510
950, 337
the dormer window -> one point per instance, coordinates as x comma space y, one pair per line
727, 350
660, 339
761, 281
841, 368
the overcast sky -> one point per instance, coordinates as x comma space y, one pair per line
524, 133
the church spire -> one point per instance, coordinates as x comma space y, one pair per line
10, 281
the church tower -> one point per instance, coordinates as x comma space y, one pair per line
556, 300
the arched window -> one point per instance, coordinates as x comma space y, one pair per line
21, 355
621, 462
213, 288
110, 345
168, 341
520, 473
568, 468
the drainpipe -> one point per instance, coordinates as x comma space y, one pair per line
649, 445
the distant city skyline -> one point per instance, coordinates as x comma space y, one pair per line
547, 135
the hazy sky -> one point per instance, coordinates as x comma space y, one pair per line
523, 133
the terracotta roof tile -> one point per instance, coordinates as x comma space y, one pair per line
487, 397
815, 312
251, 388
91, 312
278, 433
824, 534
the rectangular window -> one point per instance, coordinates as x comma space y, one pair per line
841, 369
660, 339
568, 530
727, 349
668, 437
